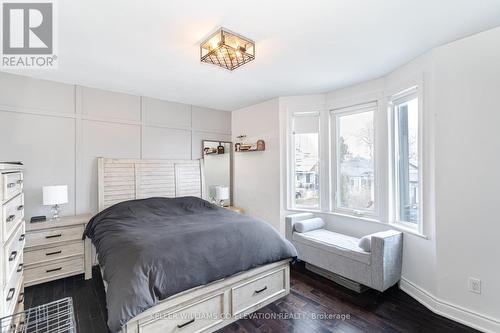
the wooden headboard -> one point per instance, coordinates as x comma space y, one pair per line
127, 179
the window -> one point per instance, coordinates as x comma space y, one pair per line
354, 160
305, 146
406, 158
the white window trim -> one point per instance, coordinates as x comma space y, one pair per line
334, 115
401, 97
291, 161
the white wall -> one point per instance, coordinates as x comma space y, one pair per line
257, 174
58, 130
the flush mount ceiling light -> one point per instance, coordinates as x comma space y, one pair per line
227, 50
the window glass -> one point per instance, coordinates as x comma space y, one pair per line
406, 162
355, 161
306, 161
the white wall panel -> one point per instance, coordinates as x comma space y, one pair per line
21, 92
105, 104
169, 114
211, 120
102, 139
166, 143
46, 146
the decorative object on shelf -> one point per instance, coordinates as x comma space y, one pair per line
260, 145
227, 49
55, 196
219, 194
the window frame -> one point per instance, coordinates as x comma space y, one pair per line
291, 161
395, 100
335, 114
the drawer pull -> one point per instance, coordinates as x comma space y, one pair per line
186, 323
20, 181
52, 253
20, 267
11, 185
10, 294
53, 270
13, 255
261, 290
20, 207
21, 238
53, 236
21, 298
11, 218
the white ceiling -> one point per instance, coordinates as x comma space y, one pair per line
151, 47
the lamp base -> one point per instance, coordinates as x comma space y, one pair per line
55, 212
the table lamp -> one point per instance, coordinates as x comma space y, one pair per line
55, 196
221, 194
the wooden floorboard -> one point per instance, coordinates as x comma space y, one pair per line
315, 304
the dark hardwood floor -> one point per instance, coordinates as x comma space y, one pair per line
314, 305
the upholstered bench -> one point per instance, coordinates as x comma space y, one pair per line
373, 260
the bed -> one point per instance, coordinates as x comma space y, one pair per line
173, 262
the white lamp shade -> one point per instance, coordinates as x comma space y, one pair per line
55, 195
221, 193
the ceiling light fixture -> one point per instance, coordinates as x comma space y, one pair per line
227, 50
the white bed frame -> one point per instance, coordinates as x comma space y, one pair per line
205, 308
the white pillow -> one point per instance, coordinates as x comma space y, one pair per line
365, 243
308, 225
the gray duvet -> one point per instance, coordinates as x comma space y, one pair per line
157, 247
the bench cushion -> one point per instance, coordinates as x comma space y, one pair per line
333, 242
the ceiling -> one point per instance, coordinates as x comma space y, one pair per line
150, 47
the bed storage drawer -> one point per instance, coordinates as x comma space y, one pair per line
195, 317
50, 236
13, 251
53, 253
253, 292
59, 268
12, 185
12, 215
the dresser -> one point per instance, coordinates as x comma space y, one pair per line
12, 239
54, 249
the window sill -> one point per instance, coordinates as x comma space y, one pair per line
396, 226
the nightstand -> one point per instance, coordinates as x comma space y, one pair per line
236, 209
55, 249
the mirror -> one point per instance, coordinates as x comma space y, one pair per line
218, 179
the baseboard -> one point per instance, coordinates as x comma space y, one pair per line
450, 311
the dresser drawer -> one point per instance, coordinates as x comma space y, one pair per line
12, 215
256, 291
13, 251
53, 270
196, 317
12, 184
53, 253
12, 290
51, 236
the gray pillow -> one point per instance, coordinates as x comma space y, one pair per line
309, 225
365, 243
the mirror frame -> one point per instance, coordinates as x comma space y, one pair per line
230, 163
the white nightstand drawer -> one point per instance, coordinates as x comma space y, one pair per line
12, 184
47, 272
13, 251
53, 253
54, 235
13, 213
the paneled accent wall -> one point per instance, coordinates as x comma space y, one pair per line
58, 130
